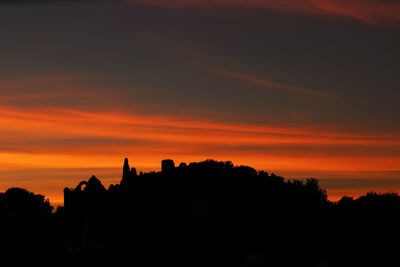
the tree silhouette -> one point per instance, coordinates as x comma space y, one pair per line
208, 213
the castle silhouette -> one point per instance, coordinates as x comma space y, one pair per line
208, 213
94, 186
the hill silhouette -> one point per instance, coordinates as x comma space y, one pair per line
208, 213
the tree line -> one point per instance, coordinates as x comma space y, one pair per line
207, 213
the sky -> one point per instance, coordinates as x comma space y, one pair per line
300, 88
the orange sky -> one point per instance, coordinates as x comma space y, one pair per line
43, 139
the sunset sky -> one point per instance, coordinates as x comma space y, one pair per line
301, 88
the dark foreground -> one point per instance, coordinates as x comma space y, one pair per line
204, 214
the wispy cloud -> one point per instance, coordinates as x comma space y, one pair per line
378, 12
20, 127
381, 12
264, 82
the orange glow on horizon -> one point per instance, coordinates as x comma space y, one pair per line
337, 194
43, 139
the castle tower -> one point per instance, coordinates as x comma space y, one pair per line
167, 165
133, 172
128, 174
125, 172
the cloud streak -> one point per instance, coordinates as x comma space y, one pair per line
264, 82
369, 11
376, 12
